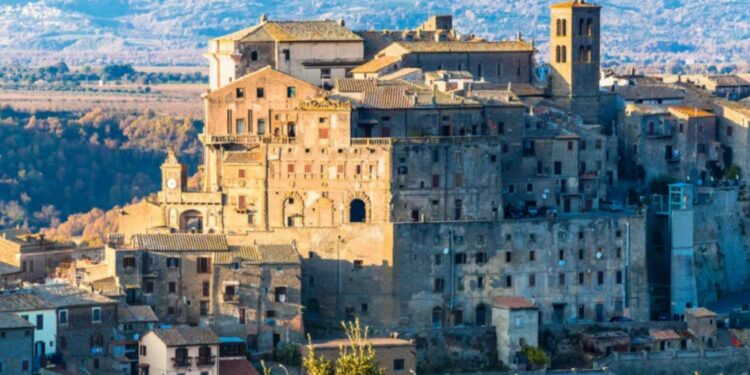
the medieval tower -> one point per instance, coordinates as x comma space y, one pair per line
575, 57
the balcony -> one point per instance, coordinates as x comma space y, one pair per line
245, 139
178, 362
207, 360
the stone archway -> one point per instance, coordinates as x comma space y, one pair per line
191, 221
292, 210
358, 209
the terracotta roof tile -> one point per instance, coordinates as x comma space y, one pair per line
185, 336
690, 112
575, 4
664, 334
63, 295
259, 254
135, 314
296, 31
10, 321
650, 92
23, 301
180, 242
701, 312
236, 367
514, 303
377, 64
462, 47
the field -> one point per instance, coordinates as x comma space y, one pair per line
168, 99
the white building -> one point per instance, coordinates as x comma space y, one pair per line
179, 350
38, 312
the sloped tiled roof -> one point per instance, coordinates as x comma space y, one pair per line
107, 286
514, 303
462, 47
664, 334
236, 367
728, 80
23, 302
186, 336
10, 321
242, 157
63, 295
259, 254
649, 92
575, 4
180, 242
401, 73
6, 268
377, 64
349, 85
296, 31
135, 314
690, 112
398, 94
701, 312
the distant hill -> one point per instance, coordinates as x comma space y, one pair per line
175, 31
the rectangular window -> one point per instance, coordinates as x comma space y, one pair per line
62, 317
260, 93
358, 265
206, 289
561, 254
25, 365
240, 92
173, 262
532, 255
144, 351
149, 287
229, 292
480, 282
291, 92
438, 285
229, 121
598, 144
96, 315
242, 315
241, 202
729, 131
261, 126
600, 277
128, 262
561, 279
172, 287
204, 308
323, 133
508, 281
460, 258
435, 181
325, 73
618, 277
481, 258
558, 168
39, 322
203, 265
532, 280
290, 168
581, 278
580, 254
398, 365
240, 126
508, 257
287, 54
458, 180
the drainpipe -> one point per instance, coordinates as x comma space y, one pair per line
625, 281
453, 269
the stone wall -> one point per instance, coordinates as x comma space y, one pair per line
731, 361
465, 348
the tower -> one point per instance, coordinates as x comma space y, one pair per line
575, 57
684, 292
173, 178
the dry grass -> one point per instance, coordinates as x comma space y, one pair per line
168, 100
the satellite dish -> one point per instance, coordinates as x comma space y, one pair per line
446, 251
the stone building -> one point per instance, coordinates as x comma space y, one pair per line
729, 86
179, 350
732, 131
16, 346
499, 62
516, 321
132, 323
438, 28
315, 51
250, 291
702, 323
395, 356
575, 57
42, 316
377, 178
35, 255
680, 142
85, 323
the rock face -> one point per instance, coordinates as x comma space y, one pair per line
150, 31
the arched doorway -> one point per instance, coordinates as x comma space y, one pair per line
437, 317
312, 312
357, 211
191, 222
291, 130
481, 315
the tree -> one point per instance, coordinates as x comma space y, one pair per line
357, 358
536, 356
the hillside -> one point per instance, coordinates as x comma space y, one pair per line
172, 32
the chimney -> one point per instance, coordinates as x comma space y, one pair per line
263, 18
341, 22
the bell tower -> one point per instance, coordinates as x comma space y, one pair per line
173, 178
575, 57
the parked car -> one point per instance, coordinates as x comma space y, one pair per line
532, 211
609, 205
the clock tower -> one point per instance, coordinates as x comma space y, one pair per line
173, 178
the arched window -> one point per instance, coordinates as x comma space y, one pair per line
481, 315
558, 30
582, 54
564, 54
290, 130
437, 317
254, 56
191, 222
589, 57
580, 26
564, 27
276, 132
590, 27
558, 54
357, 211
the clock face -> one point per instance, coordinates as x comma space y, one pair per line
171, 183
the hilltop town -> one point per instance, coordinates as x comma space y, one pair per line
475, 209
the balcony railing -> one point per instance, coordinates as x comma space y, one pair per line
220, 139
182, 362
207, 361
